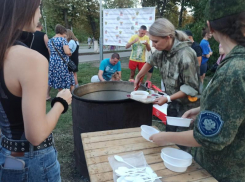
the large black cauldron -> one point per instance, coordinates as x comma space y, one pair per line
105, 106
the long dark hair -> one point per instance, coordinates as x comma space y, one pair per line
14, 15
233, 26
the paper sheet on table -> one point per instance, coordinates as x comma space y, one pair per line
136, 159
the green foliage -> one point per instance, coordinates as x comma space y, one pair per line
111, 4
198, 7
80, 15
164, 8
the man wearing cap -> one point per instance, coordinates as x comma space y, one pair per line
197, 48
219, 123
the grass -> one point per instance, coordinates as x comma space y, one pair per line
63, 132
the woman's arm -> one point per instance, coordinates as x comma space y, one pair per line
162, 100
67, 50
33, 79
46, 40
142, 73
180, 138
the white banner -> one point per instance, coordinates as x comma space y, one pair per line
120, 24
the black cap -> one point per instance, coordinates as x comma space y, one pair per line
188, 32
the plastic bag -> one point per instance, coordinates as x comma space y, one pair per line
135, 159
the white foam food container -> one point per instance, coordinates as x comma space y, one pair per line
176, 157
148, 131
139, 95
176, 121
174, 167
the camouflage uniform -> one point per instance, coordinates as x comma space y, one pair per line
180, 71
220, 127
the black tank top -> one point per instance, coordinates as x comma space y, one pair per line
74, 56
39, 44
11, 118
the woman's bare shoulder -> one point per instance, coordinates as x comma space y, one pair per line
23, 55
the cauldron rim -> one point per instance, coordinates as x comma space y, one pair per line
142, 87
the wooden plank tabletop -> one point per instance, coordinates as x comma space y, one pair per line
98, 146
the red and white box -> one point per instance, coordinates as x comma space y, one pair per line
160, 112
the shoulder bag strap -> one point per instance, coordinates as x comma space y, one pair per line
59, 53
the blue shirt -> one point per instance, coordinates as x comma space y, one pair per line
73, 45
109, 69
206, 49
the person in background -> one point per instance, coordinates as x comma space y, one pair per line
40, 44
92, 40
197, 48
140, 43
59, 75
26, 130
74, 48
178, 66
107, 68
89, 42
206, 52
219, 123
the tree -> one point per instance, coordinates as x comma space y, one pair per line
187, 19
63, 11
162, 6
72, 14
111, 4
92, 15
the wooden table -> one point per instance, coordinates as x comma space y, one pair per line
98, 146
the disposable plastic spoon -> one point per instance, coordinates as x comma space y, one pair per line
139, 179
131, 169
132, 178
151, 173
125, 173
120, 159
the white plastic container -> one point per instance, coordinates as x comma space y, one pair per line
175, 121
174, 168
176, 157
148, 131
139, 95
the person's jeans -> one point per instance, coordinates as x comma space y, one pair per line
40, 166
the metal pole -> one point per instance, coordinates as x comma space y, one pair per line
44, 17
101, 32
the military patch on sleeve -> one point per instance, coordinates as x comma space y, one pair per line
209, 123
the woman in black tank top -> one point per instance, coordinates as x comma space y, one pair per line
26, 128
74, 47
